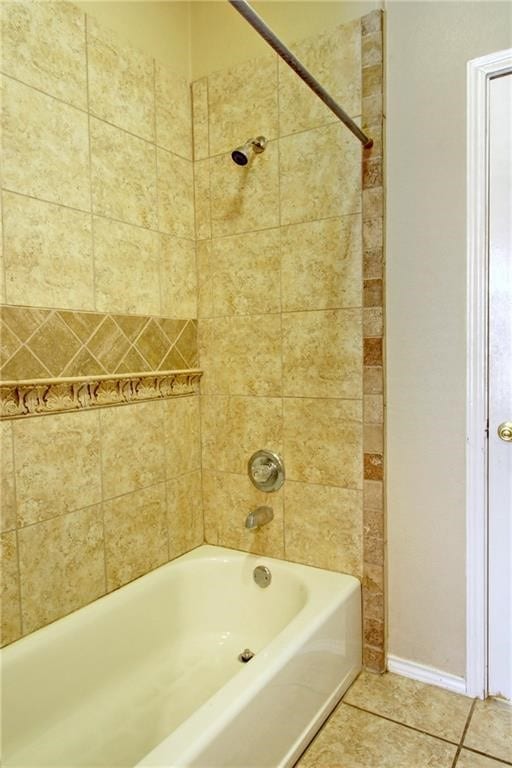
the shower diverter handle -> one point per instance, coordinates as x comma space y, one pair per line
263, 472
266, 471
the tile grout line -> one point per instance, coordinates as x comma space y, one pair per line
99, 216
166, 481
94, 116
157, 195
3, 276
463, 735
241, 233
103, 500
102, 493
89, 164
498, 760
16, 528
280, 231
196, 256
398, 722
210, 295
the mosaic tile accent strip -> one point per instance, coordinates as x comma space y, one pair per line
36, 398
51, 343
374, 636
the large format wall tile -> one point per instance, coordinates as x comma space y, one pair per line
57, 465
135, 535
126, 306
200, 130
245, 198
47, 254
126, 260
120, 82
242, 104
182, 436
61, 566
173, 112
320, 174
323, 441
233, 428
205, 268
322, 353
48, 159
323, 527
245, 274
10, 618
132, 448
321, 264
43, 45
123, 175
228, 499
7, 494
184, 513
334, 58
241, 355
202, 199
175, 194
178, 277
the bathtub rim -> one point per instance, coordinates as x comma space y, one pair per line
231, 696
263, 667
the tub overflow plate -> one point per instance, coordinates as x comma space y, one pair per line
262, 576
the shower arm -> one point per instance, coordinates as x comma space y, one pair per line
245, 10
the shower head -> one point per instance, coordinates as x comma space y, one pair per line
241, 154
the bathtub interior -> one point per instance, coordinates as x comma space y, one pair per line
109, 682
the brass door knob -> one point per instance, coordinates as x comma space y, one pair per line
505, 431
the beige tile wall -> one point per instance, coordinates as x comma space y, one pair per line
98, 276
98, 186
93, 500
99, 240
290, 261
280, 303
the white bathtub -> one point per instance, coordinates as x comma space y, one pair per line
149, 675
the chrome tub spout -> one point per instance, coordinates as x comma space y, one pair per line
258, 517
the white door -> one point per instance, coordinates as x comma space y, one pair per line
500, 388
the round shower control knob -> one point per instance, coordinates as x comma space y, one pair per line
266, 471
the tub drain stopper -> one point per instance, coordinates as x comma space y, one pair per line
245, 656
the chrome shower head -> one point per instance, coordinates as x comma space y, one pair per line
241, 154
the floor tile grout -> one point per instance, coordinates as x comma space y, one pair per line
464, 732
498, 760
455, 747
399, 722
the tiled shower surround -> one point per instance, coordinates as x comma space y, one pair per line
290, 268
289, 306
99, 279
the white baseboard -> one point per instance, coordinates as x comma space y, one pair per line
425, 674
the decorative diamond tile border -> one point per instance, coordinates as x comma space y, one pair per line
54, 360
51, 343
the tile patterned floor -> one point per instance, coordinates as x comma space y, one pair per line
392, 722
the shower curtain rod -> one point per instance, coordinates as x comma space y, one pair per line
243, 8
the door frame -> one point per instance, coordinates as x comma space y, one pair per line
479, 73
